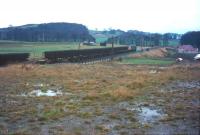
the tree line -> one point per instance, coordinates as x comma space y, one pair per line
50, 32
143, 38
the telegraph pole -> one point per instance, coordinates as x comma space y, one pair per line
79, 46
112, 51
43, 36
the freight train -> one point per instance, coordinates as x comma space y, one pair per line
13, 57
69, 55
86, 54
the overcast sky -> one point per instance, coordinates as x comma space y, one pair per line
145, 15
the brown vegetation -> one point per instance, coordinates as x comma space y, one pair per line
92, 89
156, 53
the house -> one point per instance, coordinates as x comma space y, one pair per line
187, 49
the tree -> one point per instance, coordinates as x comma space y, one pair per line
157, 38
166, 39
192, 38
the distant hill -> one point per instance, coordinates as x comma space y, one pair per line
48, 32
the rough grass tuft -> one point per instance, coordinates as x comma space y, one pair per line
121, 93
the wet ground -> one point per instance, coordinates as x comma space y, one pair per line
172, 106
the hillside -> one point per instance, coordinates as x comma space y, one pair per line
48, 32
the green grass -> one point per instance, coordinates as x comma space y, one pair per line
52, 114
147, 61
101, 39
37, 48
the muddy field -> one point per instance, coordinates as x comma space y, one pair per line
107, 98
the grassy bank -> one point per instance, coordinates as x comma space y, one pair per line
147, 61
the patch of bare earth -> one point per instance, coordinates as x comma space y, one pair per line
155, 53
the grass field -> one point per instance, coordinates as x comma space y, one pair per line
100, 99
147, 61
101, 39
37, 48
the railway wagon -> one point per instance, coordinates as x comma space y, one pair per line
85, 54
13, 57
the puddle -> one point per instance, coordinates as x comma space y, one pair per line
145, 114
189, 85
186, 85
49, 93
148, 115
